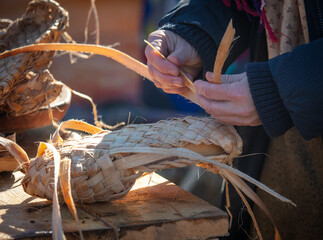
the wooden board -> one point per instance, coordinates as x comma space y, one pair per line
29, 141
154, 209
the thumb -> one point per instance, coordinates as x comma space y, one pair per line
180, 56
176, 58
225, 78
233, 78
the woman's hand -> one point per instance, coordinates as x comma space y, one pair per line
229, 102
179, 55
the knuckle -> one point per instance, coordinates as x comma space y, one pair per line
153, 35
151, 70
169, 91
239, 94
147, 52
172, 90
210, 109
157, 83
208, 92
221, 119
245, 112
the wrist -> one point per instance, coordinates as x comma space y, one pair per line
269, 105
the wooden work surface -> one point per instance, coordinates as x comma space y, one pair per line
154, 209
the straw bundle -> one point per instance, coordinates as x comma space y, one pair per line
43, 22
105, 165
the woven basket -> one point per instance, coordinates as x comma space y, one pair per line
105, 165
43, 22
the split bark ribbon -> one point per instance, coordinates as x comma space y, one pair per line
223, 52
208, 149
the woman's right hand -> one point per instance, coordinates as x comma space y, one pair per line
179, 55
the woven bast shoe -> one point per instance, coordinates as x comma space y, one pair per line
106, 164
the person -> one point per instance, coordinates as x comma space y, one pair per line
279, 94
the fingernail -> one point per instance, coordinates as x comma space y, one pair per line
209, 74
197, 83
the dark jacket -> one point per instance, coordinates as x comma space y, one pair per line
288, 89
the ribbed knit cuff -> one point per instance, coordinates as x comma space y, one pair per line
272, 112
199, 39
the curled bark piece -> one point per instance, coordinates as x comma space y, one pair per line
223, 52
112, 53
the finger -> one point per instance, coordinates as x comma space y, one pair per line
157, 83
239, 121
165, 80
175, 90
225, 78
159, 40
228, 112
215, 108
219, 92
174, 59
159, 63
181, 52
228, 108
209, 76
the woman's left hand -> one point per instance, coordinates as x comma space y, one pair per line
229, 102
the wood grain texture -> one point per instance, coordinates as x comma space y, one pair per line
154, 209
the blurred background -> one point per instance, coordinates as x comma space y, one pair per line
120, 94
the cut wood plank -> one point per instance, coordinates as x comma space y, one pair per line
154, 209
7, 161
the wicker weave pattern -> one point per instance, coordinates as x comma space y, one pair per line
43, 21
104, 166
32, 93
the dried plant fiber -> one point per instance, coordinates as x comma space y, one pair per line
105, 165
43, 22
32, 94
